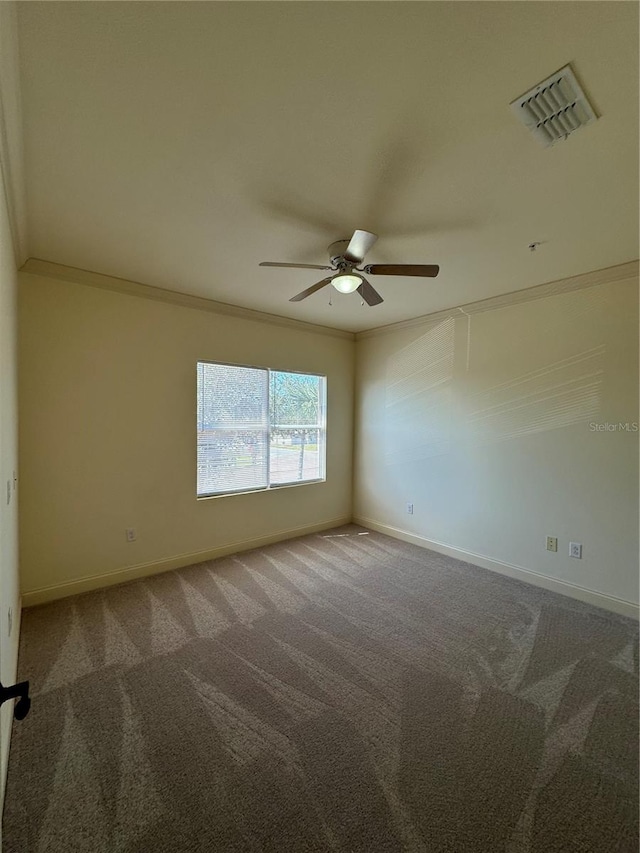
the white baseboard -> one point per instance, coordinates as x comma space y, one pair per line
141, 570
599, 599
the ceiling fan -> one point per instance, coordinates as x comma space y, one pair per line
345, 256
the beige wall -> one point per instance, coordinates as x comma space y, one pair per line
108, 441
482, 421
10, 233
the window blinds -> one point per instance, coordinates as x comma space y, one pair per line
258, 428
233, 428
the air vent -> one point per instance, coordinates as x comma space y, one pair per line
554, 108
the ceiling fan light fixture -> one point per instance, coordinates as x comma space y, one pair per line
346, 283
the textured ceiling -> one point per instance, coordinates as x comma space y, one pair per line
179, 144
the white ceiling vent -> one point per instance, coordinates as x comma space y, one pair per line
554, 108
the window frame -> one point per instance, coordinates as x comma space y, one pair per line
321, 428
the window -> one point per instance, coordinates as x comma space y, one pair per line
258, 428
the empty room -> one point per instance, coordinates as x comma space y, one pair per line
319, 427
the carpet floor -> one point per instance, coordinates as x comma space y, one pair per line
339, 692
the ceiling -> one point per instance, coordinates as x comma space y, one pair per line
180, 144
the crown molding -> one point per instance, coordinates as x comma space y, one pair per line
11, 159
48, 269
609, 275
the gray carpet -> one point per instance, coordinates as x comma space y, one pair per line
339, 692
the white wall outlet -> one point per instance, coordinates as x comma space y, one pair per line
552, 543
131, 534
410, 509
575, 550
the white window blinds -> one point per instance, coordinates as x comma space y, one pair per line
258, 428
233, 428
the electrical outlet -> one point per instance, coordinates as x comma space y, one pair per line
575, 550
552, 543
410, 509
131, 534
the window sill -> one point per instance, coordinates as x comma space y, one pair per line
275, 488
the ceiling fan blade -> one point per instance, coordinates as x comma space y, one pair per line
296, 266
300, 296
369, 293
359, 245
426, 270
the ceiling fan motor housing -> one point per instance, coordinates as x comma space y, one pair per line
336, 253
